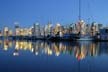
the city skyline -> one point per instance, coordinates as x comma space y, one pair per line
64, 12
53, 35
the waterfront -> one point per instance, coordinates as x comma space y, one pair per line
46, 56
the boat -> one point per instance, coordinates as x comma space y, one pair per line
85, 38
65, 37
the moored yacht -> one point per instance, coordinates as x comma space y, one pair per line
85, 38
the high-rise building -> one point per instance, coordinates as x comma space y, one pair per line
48, 29
30, 31
94, 28
42, 31
17, 29
36, 30
10, 33
81, 27
6, 31
58, 30
100, 26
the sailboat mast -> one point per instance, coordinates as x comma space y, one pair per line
79, 9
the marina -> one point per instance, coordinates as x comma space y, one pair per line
53, 36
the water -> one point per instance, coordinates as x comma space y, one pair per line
40, 56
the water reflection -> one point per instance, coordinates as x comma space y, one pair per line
80, 50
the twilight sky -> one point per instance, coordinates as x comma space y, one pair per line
27, 12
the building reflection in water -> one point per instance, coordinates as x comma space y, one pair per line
80, 50
6, 44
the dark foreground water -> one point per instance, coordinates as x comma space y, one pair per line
39, 56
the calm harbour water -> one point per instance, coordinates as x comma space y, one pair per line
40, 56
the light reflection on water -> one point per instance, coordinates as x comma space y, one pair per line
54, 56
78, 49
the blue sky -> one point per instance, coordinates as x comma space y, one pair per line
27, 12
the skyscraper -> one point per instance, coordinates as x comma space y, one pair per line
48, 29
36, 30
6, 31
17, 28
